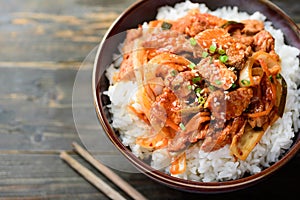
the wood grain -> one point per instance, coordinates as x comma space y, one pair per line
91, 177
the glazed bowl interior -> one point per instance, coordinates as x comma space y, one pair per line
146, 10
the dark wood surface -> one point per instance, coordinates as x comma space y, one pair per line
43, 44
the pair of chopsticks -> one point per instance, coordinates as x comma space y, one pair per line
96, 181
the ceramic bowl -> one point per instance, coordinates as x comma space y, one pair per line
146, 10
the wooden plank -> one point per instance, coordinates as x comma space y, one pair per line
23, 175
28, 175
43, 65
43, 119
54, 33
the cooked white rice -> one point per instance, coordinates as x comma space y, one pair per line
217, 165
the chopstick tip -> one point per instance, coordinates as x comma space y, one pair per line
74, 143
62, 154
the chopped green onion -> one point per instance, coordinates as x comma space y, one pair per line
212, 48
193, 41
245, 82
211, 87
174, 72
198, 90
204, 54
166, 26
201, 100
196, 79
221, 51
278, 76
192, 65
233, 85
181, 125
223, 58
218, 82
271, 78
190, 87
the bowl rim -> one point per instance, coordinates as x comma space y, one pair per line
174, 182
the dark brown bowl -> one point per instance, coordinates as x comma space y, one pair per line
145, 11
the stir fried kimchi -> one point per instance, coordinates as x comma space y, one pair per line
203, 79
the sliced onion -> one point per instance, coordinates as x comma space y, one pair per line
178, 166
281, 96
245, 76
138, 56
157, 141
165, 58
257, 74
273, 66
242, 145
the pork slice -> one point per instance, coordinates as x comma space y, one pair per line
216, 139
216, 73
264, 41
170, 41
226, 106
236, 51
190, 134
195, 22
252, 27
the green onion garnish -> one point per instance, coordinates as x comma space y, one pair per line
198, 90
204, 54
278, 76
201, 100
212, 48
193, 41
223, 58
173, 72
196, 79
218, 82
181, 125
221, 51
192, 65
245, 82
233, 85
166, 26
211, 87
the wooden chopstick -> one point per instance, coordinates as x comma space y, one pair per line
91, 177
109, 173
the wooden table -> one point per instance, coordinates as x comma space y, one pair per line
43, 44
